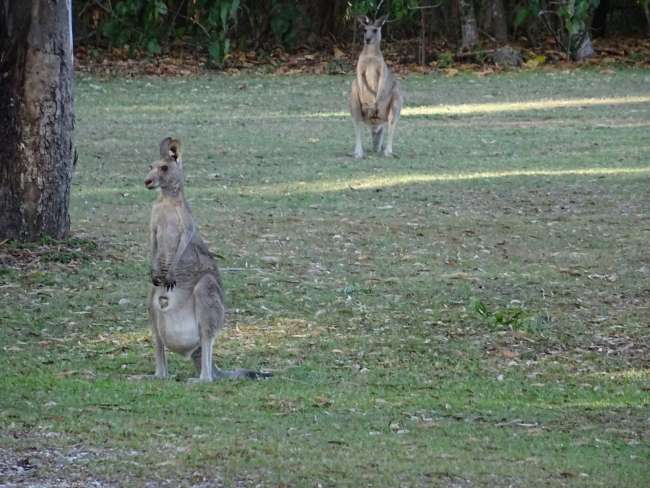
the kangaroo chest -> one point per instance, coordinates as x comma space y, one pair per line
168, 227
370, 68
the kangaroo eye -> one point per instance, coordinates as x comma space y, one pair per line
374, 30
164, 168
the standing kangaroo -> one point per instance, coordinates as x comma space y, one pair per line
186, 308
375, 98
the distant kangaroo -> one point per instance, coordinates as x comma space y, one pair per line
186, 308
375, 98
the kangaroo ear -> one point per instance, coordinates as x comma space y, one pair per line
175, 149
381, 20
170, 148
363, 20
164, 147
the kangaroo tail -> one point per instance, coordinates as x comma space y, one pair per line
248, 374
219, 374
377, 136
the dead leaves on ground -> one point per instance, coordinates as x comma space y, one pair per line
341, 59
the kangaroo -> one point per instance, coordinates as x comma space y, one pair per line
186, 302
375, 98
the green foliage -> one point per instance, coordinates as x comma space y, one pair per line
526, 12
284, 23
137, 23
214, 27
220, 14
150, 24
445, 59
510, 317
574, 15
362, 7
402, 13
565, 20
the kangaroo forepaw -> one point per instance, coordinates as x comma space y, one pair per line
157, 279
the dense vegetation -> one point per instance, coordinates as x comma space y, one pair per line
216, 26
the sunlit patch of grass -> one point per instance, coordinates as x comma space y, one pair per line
625, 375
378, 182
506, 107
407, 111
375, 182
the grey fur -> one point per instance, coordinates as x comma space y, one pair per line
186, 302
375, 97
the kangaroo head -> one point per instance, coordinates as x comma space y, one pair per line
167, 172
372, 34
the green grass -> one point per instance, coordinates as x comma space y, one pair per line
472, 313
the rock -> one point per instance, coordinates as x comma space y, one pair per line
586, 49
507, 57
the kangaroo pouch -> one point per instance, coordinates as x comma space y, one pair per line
175, 319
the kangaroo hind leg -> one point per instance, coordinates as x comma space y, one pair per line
161, 357
377, 138
357, 119
209, 312
394, 110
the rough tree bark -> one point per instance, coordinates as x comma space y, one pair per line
496, 21
425, 5
468, 26
36, 118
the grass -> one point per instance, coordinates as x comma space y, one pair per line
473, 313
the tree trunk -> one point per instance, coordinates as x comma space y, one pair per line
599, 21
36, 118
468, 27
646, 12
495, 20
422, 48
328, 15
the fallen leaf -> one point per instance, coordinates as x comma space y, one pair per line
535, 62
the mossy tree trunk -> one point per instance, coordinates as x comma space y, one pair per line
36, 118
